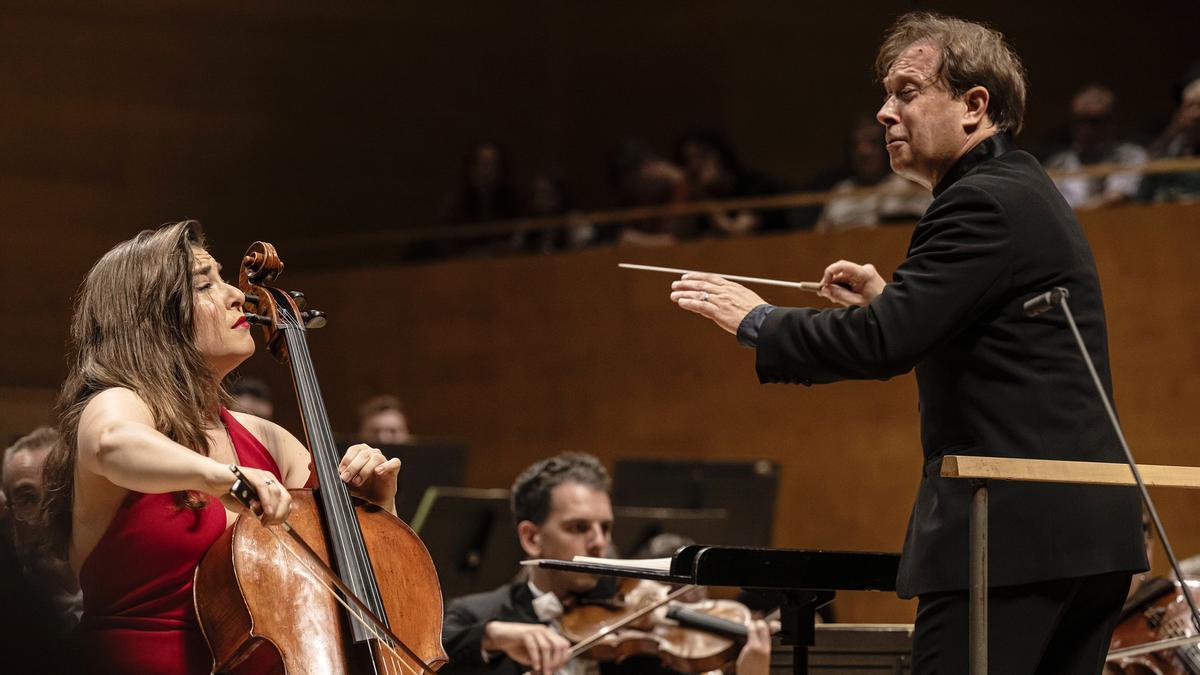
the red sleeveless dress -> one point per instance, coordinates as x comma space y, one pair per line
138, 614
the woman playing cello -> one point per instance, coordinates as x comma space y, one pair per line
138, 487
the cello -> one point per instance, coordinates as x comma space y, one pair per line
354, 589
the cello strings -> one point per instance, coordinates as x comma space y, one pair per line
343, 513
320, 462
307, 392
361, 568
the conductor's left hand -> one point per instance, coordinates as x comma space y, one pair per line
721, 300
370, 475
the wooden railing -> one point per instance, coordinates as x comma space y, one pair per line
401, 237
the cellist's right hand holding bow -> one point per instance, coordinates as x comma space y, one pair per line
531, 644
274, 501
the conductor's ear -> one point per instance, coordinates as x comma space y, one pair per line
530, 536
976, 100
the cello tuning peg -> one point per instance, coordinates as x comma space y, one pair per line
314, 318
251, 299
301, 301
258, 319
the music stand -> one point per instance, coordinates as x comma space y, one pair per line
635, 526
694, 484
425, 463
805, 578
470, 536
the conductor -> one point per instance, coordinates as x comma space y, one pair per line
991, 381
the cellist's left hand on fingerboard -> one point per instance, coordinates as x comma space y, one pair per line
370, 475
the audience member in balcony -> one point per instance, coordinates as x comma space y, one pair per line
252, 396
485, 193
381, 419
1094, 141
715, 172
642, 177
889, 197
548, 198
1180, 139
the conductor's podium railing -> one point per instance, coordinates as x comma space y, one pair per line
980, 470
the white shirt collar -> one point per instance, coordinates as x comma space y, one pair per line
546, 605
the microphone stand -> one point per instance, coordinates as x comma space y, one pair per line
1058, 296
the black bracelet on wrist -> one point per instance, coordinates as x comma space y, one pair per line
236, 471
241, 489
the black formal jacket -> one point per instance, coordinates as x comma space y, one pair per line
466, 617
991, 381
462, 628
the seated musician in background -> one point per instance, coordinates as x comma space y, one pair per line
250, 395
381, 419
38, 586
138, 488
562, 509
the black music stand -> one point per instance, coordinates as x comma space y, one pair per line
425, 463
470, 536
697, 484
805, 579
635, 526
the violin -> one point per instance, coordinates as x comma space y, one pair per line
347, 587
1156, 613
646, 618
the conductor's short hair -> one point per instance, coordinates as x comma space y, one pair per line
531, 492
971, 54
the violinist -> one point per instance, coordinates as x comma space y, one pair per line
137, 489
562, 509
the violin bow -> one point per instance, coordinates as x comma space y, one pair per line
247, 495
586, 643
1150, 647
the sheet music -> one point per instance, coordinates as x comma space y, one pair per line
662, 565
655, 564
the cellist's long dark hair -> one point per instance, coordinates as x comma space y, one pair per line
133, 327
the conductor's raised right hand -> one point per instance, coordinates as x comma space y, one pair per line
530, 644
847, 283
274, 501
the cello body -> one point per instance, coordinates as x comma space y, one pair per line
281, 619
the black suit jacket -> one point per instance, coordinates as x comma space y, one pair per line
462, 628
991, 381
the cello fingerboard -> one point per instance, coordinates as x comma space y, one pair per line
347, 550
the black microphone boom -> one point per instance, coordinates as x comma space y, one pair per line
1058, 296
1040, 304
